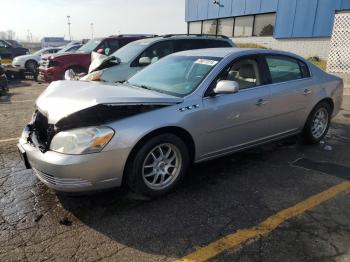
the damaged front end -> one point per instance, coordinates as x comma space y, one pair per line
39, 132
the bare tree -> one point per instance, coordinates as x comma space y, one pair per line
11, 34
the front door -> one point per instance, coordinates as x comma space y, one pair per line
235, 121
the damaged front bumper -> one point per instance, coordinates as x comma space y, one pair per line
74, 173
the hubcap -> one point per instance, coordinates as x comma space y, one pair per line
320, 123
162, 166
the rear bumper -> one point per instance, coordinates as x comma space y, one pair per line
50, 74
74, 173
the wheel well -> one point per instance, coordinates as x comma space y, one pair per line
328, 101
178, 131
31, 60
76, 67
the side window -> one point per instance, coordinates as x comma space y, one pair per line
189, 44
123, 42
113, 45
2, 44
157, 51
245, 72
217, 43
283, 69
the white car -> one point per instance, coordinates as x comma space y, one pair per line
31, 61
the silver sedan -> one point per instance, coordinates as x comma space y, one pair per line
187, 108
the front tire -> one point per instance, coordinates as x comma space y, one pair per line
318, 123
158, 166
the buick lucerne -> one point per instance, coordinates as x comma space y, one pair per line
186, 108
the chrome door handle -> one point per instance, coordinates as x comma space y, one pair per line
307, 92
261, 102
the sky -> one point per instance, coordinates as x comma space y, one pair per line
49, 17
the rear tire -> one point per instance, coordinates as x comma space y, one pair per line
31, 65
318, 123
158, 166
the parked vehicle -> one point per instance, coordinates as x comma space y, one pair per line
8, 51
3, 80
14, 43
137, 55
31, 62
70, 48
54, 67
189, 107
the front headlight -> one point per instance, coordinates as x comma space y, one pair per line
81, 140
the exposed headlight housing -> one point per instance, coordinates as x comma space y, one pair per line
82, 140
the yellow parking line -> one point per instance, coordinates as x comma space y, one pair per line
235, 240
9, 140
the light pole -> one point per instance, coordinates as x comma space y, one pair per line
92, 30
68, 18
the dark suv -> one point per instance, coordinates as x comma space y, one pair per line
54, 67
9, 51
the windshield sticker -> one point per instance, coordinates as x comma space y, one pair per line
206, 62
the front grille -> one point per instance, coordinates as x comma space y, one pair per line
61, 182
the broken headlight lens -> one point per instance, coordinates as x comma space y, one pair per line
81, 140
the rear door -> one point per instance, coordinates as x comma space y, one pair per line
291, 92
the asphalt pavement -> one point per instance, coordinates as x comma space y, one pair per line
217, 199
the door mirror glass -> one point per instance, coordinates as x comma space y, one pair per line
226, 87
144, 61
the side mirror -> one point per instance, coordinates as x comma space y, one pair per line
101, 51
144, 61
70, 75
226, 87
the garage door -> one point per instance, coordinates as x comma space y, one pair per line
339, 56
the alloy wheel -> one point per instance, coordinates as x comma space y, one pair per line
161, 166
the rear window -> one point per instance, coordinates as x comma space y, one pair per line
283, 69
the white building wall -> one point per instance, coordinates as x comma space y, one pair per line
305, 47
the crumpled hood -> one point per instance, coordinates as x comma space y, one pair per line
63, 98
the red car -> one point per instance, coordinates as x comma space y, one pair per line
53, 68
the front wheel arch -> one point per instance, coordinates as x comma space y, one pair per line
183, 134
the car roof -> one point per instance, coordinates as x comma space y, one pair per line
225, 52
150, 40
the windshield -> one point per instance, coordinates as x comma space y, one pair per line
65, 49
174, 75
128, 52
89, 46
41, 51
